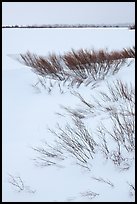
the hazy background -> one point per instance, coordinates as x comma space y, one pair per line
67, 12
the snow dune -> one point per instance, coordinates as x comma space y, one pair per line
28, 112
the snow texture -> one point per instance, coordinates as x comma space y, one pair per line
29, 111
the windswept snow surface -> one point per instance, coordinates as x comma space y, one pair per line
28, 112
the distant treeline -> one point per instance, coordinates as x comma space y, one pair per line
72, 26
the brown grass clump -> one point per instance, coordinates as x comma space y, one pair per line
44, 65
77, 66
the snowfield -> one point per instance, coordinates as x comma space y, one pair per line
28, 112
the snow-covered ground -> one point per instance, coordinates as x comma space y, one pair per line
28, 112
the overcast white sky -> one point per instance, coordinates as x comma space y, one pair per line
67, 12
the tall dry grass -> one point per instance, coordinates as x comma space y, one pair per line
75, 67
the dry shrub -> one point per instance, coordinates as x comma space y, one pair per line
114, 142
98, 64
44, 66
76, 142
119, 104
18, 184
77, 66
